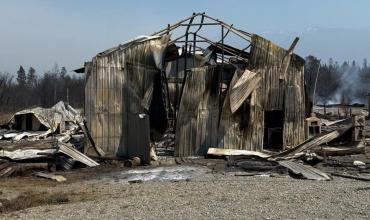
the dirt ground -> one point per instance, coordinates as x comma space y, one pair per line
187, 191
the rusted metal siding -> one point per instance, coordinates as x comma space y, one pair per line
103, 108
175, 74
295, 108
267, 59
117, 88
243, 129
280, 90
197, 121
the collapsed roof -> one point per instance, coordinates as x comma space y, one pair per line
38, 118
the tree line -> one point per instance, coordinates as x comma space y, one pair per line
27, 89
337, 83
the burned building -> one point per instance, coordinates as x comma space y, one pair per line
215, 85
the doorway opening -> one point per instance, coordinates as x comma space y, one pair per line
273, 130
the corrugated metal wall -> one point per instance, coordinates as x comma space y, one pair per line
119, 86
243, 129
295, 104
197, 119
279, 90
267, 59
175, 74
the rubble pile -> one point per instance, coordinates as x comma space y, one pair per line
340, 150
166, 145
42, 139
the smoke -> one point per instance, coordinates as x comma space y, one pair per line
349, 86
352, 85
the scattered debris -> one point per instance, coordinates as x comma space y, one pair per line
231, 152
312, 142
12, 168
43, 139
136, 161
253, 164
362, 178
26, 154
166, 145
76, 155
58, 178
333, 150
304, 171
326, 122
359, 164
342, 151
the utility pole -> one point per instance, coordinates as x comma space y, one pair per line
314, 88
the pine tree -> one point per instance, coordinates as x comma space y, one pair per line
364, 66
311, 68
31, 77
21, 76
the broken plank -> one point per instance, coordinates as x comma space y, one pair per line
26, 154
4, 164
305, 171
348, 176
5, 168
58, 178
243, 174
313, 142
76, 155
232, 152
335, 151
7, 171
87, 134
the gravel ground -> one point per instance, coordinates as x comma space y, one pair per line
222, 197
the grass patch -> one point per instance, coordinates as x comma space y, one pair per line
32, 200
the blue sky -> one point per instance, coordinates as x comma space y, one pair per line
41, 33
